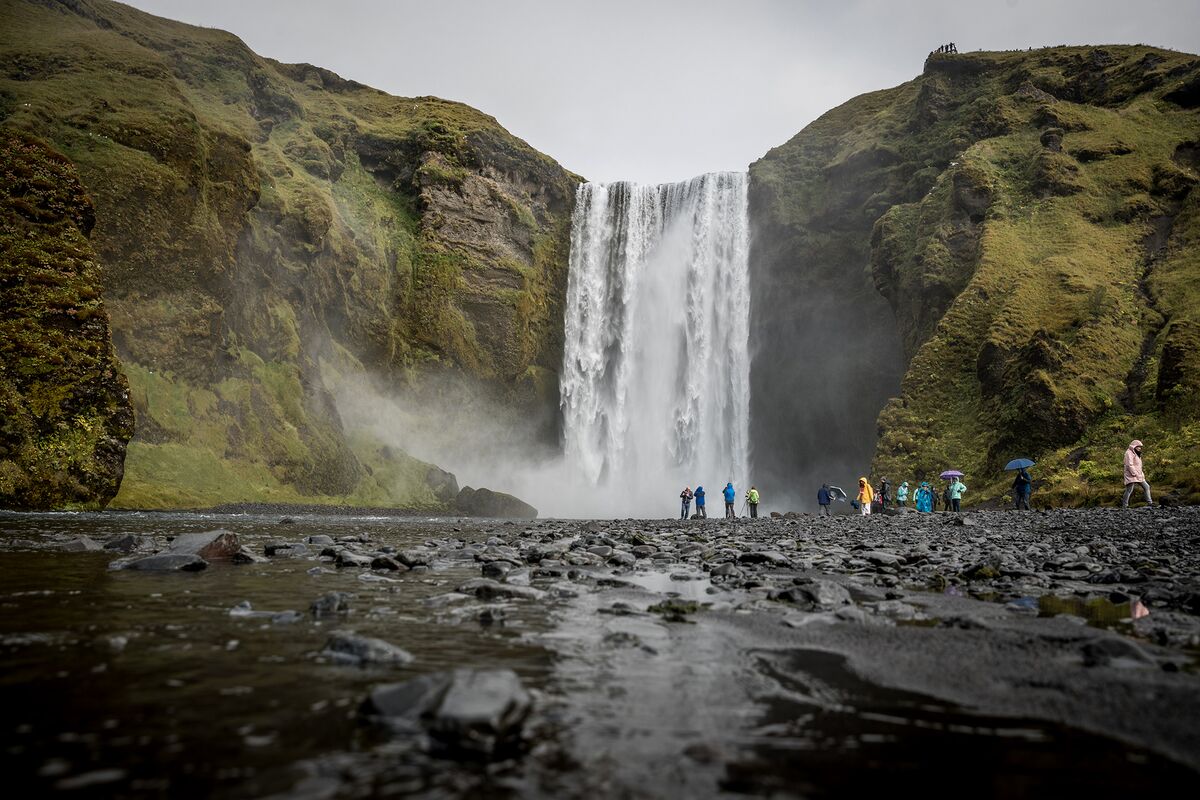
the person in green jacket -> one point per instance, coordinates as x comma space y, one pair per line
752, 499
957, 489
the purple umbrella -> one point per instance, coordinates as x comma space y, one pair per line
952, 473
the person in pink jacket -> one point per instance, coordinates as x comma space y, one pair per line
1133, 473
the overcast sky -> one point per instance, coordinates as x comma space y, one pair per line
661, 90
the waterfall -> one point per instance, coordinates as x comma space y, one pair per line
655, 382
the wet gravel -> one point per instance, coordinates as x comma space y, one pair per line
577, 658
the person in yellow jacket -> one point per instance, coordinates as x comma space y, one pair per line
752, 500
866, 496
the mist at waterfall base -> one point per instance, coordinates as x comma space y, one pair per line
654, 383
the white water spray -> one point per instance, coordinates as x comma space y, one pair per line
656, 370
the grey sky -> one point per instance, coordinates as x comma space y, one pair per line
662, 90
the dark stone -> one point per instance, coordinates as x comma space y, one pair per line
486, 503
826, 594
246, 556
320, 539
348, 558
416, 557
1114, 651
354, 649
644, 550
488, 589
331, 604
725, 570
169, 562
125, 544
492, 616
772, 557
477, 712
82, 544
496, 569
388, 563
216, 545
1051, 139
622, 559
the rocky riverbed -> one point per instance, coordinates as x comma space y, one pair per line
340, 656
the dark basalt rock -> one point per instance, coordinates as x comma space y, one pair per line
330, 605
478, 712
83, 544
213, 545
349, 647
169, 562
486, 503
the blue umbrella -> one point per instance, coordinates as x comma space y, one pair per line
1019, 463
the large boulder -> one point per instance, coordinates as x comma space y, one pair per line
473, 711
350, 648
486, 503
169, 562
219, 545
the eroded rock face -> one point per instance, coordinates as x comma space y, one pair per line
308, 220
65, 414
1033, 252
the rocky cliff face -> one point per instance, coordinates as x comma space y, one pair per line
267, 229
65, 416
1031, 220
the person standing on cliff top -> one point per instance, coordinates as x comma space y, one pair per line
686, 497
1134, 476
730, 497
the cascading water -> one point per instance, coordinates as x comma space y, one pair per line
656, 372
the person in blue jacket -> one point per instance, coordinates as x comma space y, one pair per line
925, 498
699, 495
823, 499
730, 496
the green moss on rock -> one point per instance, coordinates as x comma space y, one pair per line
65, 416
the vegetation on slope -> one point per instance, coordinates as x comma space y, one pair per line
1035, 227
65, 415
265, 228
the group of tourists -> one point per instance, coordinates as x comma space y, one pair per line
870, 499
728, 493
926, 498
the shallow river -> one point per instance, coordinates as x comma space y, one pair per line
125, 684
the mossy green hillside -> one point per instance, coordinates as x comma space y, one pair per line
1031, 220
254, 218
1046, 276
65, 416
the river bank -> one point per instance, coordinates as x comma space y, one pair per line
1007, 652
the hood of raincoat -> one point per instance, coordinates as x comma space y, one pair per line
1135, 443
